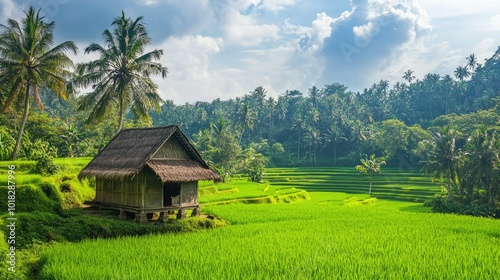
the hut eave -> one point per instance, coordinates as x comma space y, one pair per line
107, 174
181, 171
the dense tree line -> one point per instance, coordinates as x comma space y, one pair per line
332, 125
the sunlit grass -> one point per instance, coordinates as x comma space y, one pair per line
323, 238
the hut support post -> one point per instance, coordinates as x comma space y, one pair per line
141, 217
196, 212
122, 215
181, 214
163, 216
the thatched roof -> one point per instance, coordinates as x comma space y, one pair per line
131, 150
181, 170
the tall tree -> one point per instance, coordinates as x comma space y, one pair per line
461, 73
245, 118
408, 76
444, 159
334, 135
484, 157
121, 75
370, 166
28, 62
472, 62
312, 139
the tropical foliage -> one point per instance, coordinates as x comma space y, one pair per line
121, 76
28, 62
471, 175
370, 166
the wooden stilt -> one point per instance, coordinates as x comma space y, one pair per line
141, 217
181, 214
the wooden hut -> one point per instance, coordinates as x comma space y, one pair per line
149, 170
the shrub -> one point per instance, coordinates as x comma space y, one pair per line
444, 204
65, 187
45, 165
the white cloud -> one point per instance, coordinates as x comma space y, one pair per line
188, 59
240, 29
453, 8
11, 10
276, 5
494, 23
322, 26
485, 49
147, 2
371, 41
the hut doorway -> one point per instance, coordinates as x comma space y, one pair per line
170, 192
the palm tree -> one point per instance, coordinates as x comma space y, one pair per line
314, 95
299, 124
461, 73
472, 62
28, 62
335, 135
444, 159
370, 166
312, 139
121, 75
245, 118
408, 75
483, 160
281, 110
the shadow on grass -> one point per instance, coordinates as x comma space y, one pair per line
416, 209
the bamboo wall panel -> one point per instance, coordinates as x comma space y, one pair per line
98, 190
154, 190
189, 193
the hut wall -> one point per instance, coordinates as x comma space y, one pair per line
98, 190
154, 190
131, 192
172, 149
122, 192
107, 191
189, 193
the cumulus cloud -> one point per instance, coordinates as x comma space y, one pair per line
370, 37
9, 9
276, 5
239, 23
188, 59
243, 30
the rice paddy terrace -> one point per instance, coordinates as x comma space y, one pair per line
391, 184
333, 230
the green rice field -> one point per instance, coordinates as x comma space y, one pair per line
392, 183
336, 232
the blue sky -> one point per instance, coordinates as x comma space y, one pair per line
226, 48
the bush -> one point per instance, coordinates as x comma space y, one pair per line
45, 166
441, 203
65, 187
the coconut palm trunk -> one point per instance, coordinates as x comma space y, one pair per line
370, 189
120, 109
23, 122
